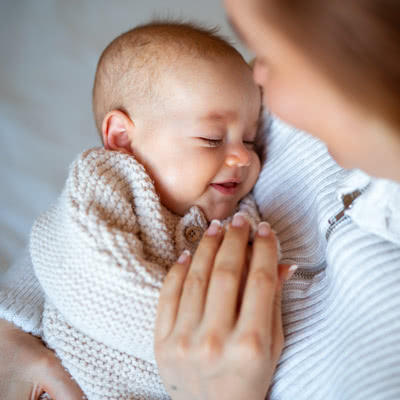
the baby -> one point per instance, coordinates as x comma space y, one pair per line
178, 113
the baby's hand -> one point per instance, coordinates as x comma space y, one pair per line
28, 368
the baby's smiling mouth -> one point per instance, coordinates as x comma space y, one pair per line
227, 188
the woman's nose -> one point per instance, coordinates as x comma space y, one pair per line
238, 155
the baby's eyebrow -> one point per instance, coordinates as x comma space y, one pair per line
220, 116
228, 116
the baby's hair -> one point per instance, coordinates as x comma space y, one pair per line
130, 68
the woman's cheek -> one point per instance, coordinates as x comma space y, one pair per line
260, 74
288, 105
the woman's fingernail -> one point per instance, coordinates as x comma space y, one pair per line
291, 271
264, 228
214, 227
238, 220
184, 257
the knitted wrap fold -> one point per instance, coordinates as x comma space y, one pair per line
101, 254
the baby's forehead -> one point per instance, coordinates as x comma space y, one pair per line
134, 66
156, 49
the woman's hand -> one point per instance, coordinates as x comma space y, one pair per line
28, 368
209, 342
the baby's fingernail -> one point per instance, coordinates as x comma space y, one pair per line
214, 227
238, 220
264, 228
291, 271
184, 257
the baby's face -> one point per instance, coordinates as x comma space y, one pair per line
198, 146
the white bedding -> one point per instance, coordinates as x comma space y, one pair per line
48, 55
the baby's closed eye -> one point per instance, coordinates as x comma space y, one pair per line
217, 142
211, 142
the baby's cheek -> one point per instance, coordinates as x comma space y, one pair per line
253, 174
257, 164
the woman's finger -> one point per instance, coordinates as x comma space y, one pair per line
195, 287
223, 291
277, 326
256, 312
286, 271
170, 295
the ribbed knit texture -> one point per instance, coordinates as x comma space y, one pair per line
101, 254
341, 313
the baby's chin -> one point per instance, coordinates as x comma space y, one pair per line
219, 213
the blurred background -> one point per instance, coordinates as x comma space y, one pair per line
48, 56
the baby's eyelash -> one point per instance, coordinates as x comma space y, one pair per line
218, 142
249, 143
214, 142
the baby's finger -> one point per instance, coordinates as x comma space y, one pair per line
170, 295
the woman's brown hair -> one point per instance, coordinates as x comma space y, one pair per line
355, 42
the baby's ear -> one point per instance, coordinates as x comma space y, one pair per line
116, 130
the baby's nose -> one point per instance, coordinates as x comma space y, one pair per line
239, 156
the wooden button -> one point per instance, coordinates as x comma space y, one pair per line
193, 234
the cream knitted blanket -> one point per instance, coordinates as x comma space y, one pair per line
101, 254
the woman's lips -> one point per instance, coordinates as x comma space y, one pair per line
226, 188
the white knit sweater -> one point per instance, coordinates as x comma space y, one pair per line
101, 254
341, 311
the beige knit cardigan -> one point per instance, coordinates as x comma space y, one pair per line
101, 254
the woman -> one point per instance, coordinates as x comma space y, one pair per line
332, 69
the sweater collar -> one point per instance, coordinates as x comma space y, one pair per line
377, 209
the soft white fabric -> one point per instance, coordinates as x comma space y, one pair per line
101, 254
381, 199
341, 314
341, 311
21, 296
